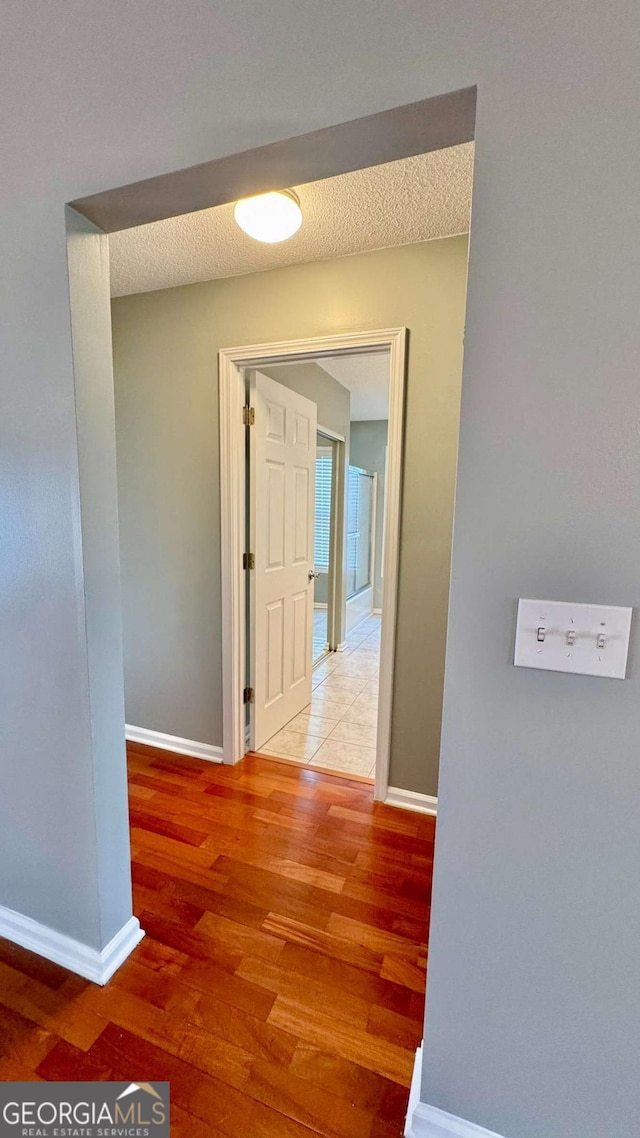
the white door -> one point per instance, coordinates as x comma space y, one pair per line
282, 480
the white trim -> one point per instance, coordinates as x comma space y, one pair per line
174, 743
414, 1091
335, 583
329, 434
411, 800
423, 1121
72, 954
390, 552
377, 612
232, 517
232, 547
429, 1122
320, 605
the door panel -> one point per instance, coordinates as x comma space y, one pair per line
301, 517
282, 484
300, 668
274, 658
275, 506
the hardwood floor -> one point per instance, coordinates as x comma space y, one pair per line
280, 985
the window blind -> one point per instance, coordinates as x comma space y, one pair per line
324, 471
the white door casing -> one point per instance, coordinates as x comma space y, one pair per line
232, 365
282, 497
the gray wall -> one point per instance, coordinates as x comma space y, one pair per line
534, 1005
169, 506
165, 362
368, 451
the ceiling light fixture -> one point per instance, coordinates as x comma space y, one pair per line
269, 217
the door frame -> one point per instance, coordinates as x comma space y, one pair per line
339, 445
231, 365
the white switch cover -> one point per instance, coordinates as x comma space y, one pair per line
592, 640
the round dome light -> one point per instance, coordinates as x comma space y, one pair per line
269, 217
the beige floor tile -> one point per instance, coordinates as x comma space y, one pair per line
293, 743
345, 732
345, 757
357, 668
366, 716
308, 724
326, 667
341, 689
329, 708
350, 677
366, 655
282, 758
367, 698
338, 728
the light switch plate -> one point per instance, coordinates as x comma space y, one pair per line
591, 640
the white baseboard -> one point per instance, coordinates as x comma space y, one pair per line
429, 1122
377, 612
411, 800
414, 1093
424, 1121
72, 954
320, 605
174, 743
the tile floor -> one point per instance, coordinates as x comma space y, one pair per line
338, 728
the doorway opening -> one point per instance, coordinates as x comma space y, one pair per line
328, 460
311, 514
335, 725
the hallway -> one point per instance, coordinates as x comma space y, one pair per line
280, 986
337, 731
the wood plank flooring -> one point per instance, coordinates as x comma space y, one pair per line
280, 986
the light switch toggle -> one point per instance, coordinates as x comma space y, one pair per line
541, 635
571, 637
602, 640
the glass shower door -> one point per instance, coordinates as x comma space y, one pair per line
360, 507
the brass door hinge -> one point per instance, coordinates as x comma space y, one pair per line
248, 560
248, 695
248, 416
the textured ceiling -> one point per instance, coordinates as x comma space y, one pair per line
367, 377
416, 199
